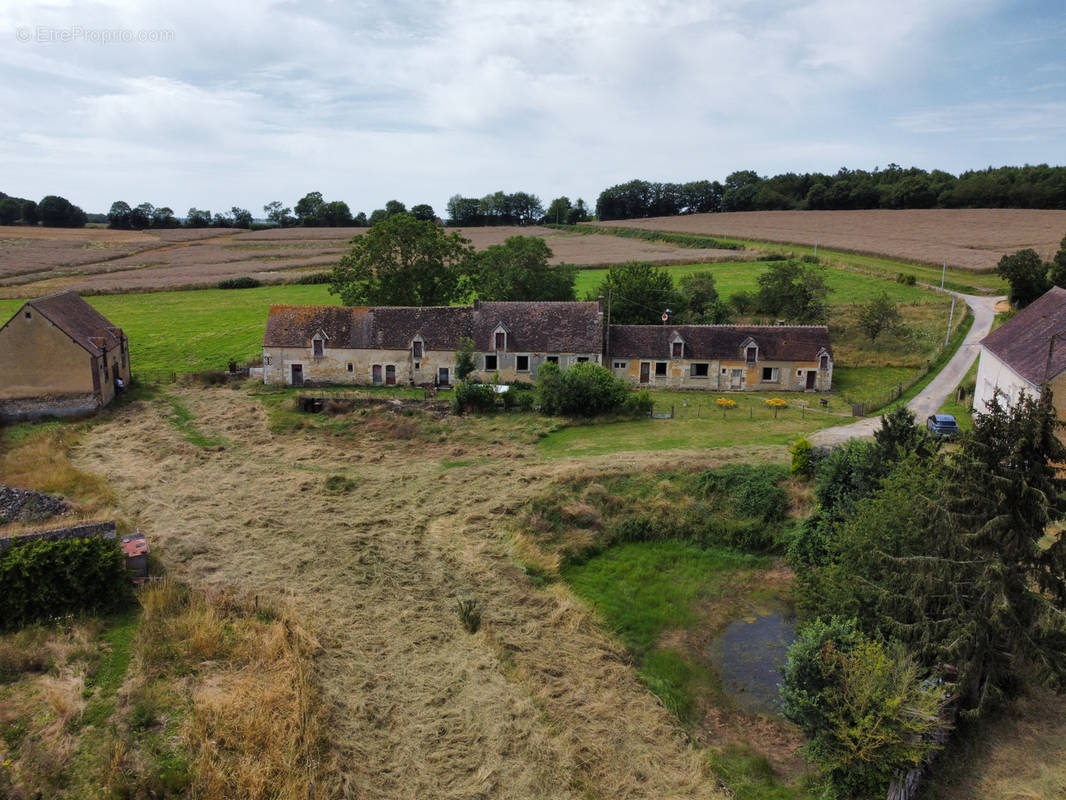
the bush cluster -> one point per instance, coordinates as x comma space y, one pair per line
243, 282
586, 390
44, 579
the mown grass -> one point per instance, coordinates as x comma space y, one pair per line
184, 422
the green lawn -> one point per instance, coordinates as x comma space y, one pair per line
196, 330
699, 423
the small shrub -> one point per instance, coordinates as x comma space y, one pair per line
801, 465
906, 278
586, 390
244, 282
639, 404
469, 614
752, 491
314, 278
339, 484
811, 260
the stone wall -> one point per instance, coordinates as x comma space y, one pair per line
27, 409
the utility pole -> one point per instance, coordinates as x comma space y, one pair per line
951, 318
943, 273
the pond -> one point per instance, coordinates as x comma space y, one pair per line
749, 656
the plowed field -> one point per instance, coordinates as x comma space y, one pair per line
972, 239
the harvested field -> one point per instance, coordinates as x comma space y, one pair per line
37, 261
973, 239
540, 702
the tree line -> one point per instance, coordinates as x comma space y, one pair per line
52, 211
894, 187
931, 585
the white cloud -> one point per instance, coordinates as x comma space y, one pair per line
370, 101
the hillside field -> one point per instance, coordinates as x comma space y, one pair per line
38, 261
972, 239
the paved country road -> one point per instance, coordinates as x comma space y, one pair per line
936, 392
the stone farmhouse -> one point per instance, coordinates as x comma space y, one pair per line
417, 346
59, 356
1025, 353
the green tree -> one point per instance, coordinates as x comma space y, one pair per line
639, 293
518, 269
308, 209
163, 217
58, 212
789, 289
1058, 265
141, 216
464, 358
700, 301
559, 211
1026, 274
334, 214
402, 261
30, 213
394, 207
10, 210
279, 214
864, 706
423, 211
197, 218
242, 217
878, 315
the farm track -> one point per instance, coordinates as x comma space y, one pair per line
539, 703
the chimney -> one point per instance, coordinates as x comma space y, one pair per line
477, 304
599, 303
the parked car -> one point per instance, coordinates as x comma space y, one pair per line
942, 425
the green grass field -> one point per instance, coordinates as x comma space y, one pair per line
196, 330
731, 277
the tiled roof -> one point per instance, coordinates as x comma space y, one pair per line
540, 326
1022, 342
775, 342
79, 320
441, 327
547, 327
293, 326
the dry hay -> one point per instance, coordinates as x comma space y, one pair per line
540, 702
968, 238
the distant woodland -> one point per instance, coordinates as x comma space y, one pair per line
1037, 186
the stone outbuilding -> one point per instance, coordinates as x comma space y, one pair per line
765, 358
409, 345
59, 356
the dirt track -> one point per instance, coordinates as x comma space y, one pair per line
540, 703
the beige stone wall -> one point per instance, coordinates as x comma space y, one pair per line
37, 358
333, 365
791, 375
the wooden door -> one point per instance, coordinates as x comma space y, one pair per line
442, 376
376, 372
297, 374
645, 372
390, 375
811, 376
736, 379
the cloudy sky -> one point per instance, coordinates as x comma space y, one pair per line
216, 104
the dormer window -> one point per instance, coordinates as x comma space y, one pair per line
823, 361
751, 353
677, 349
318, 348
499, 339
416, 348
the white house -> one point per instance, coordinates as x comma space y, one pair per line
1025, 353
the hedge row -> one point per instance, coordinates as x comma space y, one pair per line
43, 579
